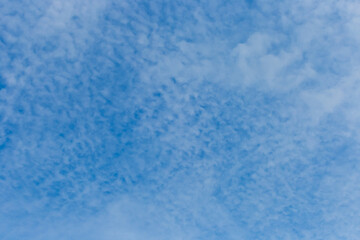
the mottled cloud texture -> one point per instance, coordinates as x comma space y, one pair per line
133, 120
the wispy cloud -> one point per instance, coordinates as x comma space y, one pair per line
179, 120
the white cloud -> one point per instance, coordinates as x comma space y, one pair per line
179, 121
323, 102
260, 66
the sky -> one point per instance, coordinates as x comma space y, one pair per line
172, 120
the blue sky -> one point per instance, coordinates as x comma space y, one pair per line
134, 120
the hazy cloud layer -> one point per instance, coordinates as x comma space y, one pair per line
179, 120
